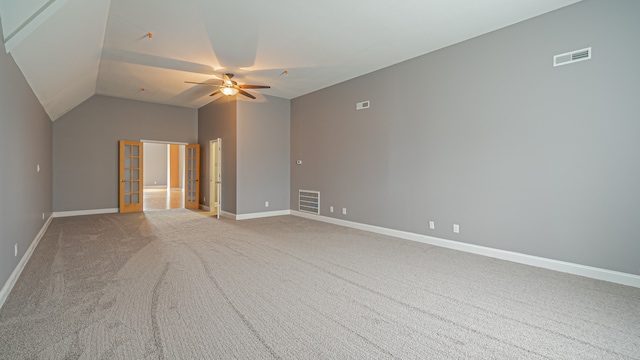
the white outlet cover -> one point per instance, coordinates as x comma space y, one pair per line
344, 211
331, 208
432, 225
38, 168
456, 228
266, 204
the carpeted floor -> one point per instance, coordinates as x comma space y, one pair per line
179, 285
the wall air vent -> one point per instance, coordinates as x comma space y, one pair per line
363, 105
309, 201
572, 57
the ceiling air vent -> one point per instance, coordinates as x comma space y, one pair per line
572, 57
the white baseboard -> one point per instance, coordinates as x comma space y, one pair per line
8, 286
562, 266
58, 214
263, 214
204, 207
227, 215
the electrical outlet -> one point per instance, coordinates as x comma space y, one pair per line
432, 225
15, 250
38, 168
330, 208
456, 228
266, 204
344, 211
42, 216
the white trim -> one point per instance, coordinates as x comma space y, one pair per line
8, 286
228, 215
263, 214
58, 214
562, 266
154, 187
164, 142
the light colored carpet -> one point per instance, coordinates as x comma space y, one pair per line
179, 285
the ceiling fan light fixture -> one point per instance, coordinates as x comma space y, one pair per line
229, 91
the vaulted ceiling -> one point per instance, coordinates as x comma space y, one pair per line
69, 50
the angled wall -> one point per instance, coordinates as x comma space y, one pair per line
489, 135
255, 152
25, 145
263, 155
218, 120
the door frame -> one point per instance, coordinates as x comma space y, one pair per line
215, 180
182, 169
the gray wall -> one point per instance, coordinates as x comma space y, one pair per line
85, 146
155, 164
263, 155
25, 142
487, 134
219, 120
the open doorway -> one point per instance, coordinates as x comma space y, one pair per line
164, 175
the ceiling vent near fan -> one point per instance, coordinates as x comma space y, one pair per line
572, 57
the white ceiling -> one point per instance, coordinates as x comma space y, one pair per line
69, 50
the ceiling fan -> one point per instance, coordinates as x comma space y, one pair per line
229, 87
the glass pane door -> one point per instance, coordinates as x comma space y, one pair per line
192, 191
130, 176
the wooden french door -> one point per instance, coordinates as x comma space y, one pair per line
130, 193
192, 177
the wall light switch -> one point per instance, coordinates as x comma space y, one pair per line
38, 168
15, 250
344, 211
456, 228
266, 204
330, 208
432, 225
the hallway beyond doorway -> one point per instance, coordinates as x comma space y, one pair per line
161, 199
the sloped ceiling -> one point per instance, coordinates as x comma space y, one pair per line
69, 50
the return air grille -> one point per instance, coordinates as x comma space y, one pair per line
572, 57
309, 201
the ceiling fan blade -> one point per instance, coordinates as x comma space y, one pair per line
254, 86
246, 93
198, 83
215, 92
